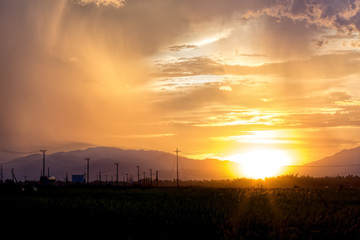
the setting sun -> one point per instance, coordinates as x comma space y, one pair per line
261, 163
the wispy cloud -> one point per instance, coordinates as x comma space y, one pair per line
331, 65
155, 135
107, 3
177, 48
259, 137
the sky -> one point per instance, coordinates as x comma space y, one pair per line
214, 78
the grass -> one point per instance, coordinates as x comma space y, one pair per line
188, 212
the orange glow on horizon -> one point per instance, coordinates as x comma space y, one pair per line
262, 163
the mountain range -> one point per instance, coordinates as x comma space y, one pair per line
343, 163
103, 159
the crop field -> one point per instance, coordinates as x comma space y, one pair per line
180, 213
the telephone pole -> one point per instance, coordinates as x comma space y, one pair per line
150, 176
117, 173
1, 174
67, 178
43, 171
177, 166
138, 168
87, 169
157, 178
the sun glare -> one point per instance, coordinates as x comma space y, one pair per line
261, 163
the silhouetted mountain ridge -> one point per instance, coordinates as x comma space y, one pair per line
343, 163
102, 160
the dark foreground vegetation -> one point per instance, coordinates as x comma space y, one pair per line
98, 212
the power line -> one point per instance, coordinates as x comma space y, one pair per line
323, 166
16, 152
171, 173
183, 171
13, 175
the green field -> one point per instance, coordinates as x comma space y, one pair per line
181, 213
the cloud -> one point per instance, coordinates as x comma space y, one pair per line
177, 48
341, 15
190, 66
225, 88
79, 69
155, 135
250, 55
324, 66
321, 42
98, 3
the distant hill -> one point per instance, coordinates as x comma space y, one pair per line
103, 159
343, 163
346, 162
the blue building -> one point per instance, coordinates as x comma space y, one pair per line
77, 179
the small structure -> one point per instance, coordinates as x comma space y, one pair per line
44, 180
77, 179
52, 179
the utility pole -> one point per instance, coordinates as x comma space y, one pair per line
144, 176
99, 176
43, 171
177, 167
157, 178
117, 173
48, 172
13, 175
87, 169
138, 168
1, 174
150, 176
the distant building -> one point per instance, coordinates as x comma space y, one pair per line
52, 179
77, 179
